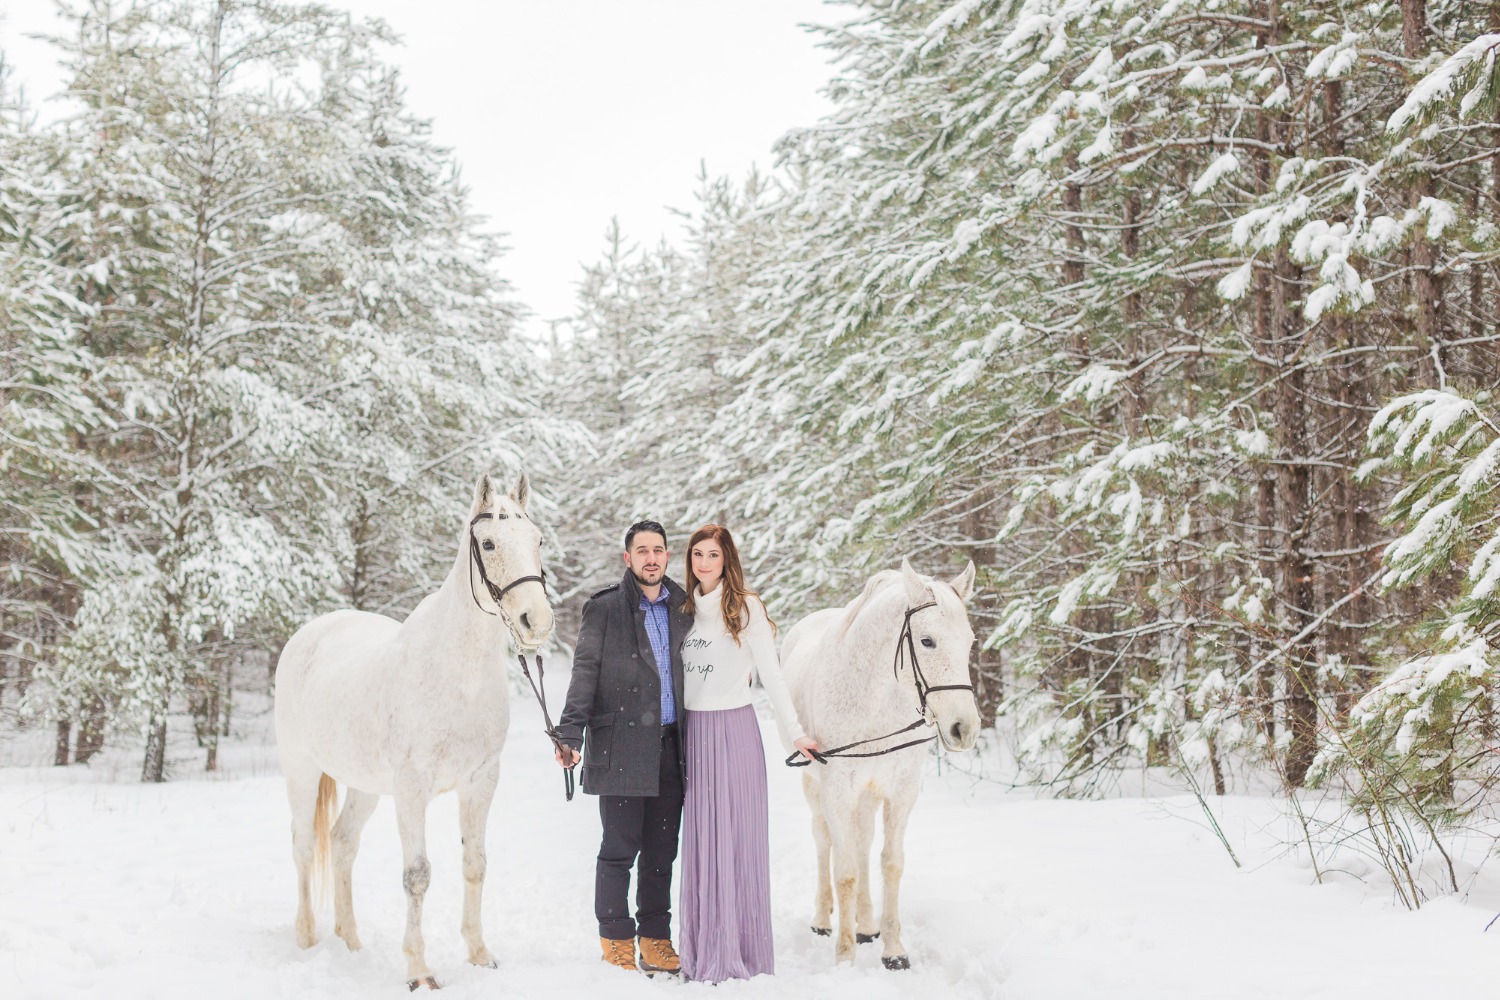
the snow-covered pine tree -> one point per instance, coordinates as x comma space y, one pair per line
300, 349
44, 408
651, 362
1088, 290
434, 383
626, 300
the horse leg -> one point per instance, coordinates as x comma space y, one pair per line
416, 875
822, 922
864, 832
352, 819
843, 844
474, 799
302, 796
892, 863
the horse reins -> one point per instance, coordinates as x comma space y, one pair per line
906, 646
538, 688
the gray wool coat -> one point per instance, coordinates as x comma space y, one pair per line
614, 698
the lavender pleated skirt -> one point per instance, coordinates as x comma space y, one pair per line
725, 911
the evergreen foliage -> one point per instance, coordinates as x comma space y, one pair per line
1104, 296
260, 348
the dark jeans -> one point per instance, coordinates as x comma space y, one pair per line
644, 827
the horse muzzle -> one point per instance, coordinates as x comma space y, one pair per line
958, 732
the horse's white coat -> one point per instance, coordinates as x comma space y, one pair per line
838, 663
409, 710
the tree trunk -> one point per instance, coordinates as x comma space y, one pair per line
989, 684
1427, 289
1072, 268
91, 730
226, 696
211, 730
154, 767
1294, 517
1414, 28
60, 748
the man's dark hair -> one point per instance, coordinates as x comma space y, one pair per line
640, 526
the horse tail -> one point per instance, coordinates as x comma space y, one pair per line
328, 794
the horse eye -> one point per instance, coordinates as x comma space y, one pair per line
929, 644
489, 546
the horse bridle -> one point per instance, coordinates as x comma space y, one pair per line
906, 647
478, 561
538, 687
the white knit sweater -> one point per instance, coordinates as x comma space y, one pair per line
717, 671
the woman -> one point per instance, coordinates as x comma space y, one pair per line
726, 886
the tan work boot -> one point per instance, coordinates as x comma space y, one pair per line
619, 952
657, 955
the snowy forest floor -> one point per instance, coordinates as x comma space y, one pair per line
185, 890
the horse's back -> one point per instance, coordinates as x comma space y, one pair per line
324, 668
801, 639
330, 641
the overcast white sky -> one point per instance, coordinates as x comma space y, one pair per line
567, 112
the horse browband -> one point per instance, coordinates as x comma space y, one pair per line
906, 645
495, 592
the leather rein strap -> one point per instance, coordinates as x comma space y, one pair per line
906, 647
538, 687
540, 690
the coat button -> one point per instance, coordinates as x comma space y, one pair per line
632, 722
634, 656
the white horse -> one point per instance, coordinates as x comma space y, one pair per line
862, 675
411, 710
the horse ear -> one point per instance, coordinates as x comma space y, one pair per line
963, 583
521, 491
484, 495
916, 588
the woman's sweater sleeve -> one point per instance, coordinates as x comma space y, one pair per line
762, 643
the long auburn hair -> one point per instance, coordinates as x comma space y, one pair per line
733, 594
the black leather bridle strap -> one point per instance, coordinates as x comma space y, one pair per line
539, 688
477, 562
906, 646
821, 756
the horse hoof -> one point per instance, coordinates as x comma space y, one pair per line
896, 962
867, 938
427, 981
822, 931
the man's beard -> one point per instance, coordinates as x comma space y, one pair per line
645, 582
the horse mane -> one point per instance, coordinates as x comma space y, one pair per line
875, 584
943, 595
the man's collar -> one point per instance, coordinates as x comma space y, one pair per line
671, 591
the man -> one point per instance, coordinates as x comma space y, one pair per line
627, 693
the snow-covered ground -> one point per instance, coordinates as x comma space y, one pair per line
116, 890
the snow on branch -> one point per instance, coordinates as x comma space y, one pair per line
1476, 58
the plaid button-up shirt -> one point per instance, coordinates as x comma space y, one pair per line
658, 632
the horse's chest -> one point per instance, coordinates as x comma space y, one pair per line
469, 728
